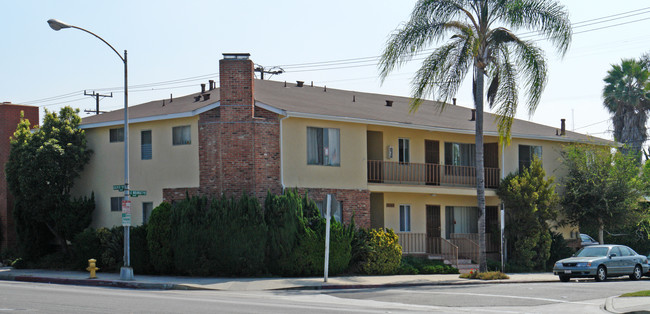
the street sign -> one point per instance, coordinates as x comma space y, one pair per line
137, 193
126, 213
119, 187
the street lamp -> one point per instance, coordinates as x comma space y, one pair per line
126, 272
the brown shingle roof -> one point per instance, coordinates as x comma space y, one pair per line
336, 104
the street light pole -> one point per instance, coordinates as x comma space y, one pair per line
126, 272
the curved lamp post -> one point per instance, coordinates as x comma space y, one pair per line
126, 272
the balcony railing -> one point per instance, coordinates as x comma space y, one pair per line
392, 172
419, 243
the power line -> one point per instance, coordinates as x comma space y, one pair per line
338, 64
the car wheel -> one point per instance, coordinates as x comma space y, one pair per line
564, 278
636, 274
601, 273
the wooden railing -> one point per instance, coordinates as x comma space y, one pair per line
491, 245
466, 248
431, 174
419, 243
412, 243
449, 251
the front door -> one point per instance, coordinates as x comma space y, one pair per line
432, 160
433, 229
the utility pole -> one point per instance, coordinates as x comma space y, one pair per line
96, 95
272, 71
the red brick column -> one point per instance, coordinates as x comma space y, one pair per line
355, 202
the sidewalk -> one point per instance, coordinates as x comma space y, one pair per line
613, 304
253, 284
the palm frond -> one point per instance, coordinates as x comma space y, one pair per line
532, 68
547, 17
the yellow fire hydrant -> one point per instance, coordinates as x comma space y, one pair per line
92, 268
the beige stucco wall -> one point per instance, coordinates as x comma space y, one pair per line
351, 174
551, 156
418, 204
170, 167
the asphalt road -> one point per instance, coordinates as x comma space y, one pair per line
556, 297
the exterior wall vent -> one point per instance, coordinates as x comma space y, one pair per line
389, 103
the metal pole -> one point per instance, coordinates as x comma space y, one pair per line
327, 234
126, 272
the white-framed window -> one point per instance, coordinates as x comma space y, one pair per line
145, 145
147, 207
323, 146
181, 135
336, 211
116, 204
404, 147
526, 155
116, 135
404, 218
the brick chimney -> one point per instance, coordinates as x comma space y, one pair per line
236, 87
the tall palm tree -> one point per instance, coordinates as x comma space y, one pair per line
627, 97
474, 41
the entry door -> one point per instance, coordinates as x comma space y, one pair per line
433, 229
432, 160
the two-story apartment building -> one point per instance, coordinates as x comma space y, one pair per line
414, 173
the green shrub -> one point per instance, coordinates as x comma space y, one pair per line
193, 238
406, 269
159, 239
286, 225
490, 275
85, 245
112, 244
559, 250
385, 253
139, 250
426, 266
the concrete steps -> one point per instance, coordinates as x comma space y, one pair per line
464, 265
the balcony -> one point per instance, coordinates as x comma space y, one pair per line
390, 172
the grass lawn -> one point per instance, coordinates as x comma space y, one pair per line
644, 293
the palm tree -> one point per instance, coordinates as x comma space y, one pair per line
627, 97
474, 41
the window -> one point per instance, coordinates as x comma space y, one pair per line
145, 145
526, 155
323, 147
336, 210
460, 154
116, 135
405, 218
461, 219
404, 146
146, 211
181, 135
116, 204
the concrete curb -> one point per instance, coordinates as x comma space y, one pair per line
407, 284
609, 305
185, 286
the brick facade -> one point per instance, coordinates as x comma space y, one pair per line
354, 202
177, 194
239, 145
10, 117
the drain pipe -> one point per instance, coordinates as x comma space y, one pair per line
282, 156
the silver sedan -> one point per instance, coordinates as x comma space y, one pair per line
602, 261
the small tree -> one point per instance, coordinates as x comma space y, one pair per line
602, 189
530, 202
41, 170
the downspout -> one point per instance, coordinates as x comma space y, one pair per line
282, 156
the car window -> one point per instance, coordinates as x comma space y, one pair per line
615, 250
627, 251
592, 251
584, 237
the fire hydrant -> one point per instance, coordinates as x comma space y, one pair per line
92, 268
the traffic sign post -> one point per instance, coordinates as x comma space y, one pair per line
126, 213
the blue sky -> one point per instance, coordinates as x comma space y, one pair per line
176, 40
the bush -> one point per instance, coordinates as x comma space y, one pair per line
490, 275
159, 238
85, 245
112, 244
283, 215
139, 250
425, 266
559, 250
384, 255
